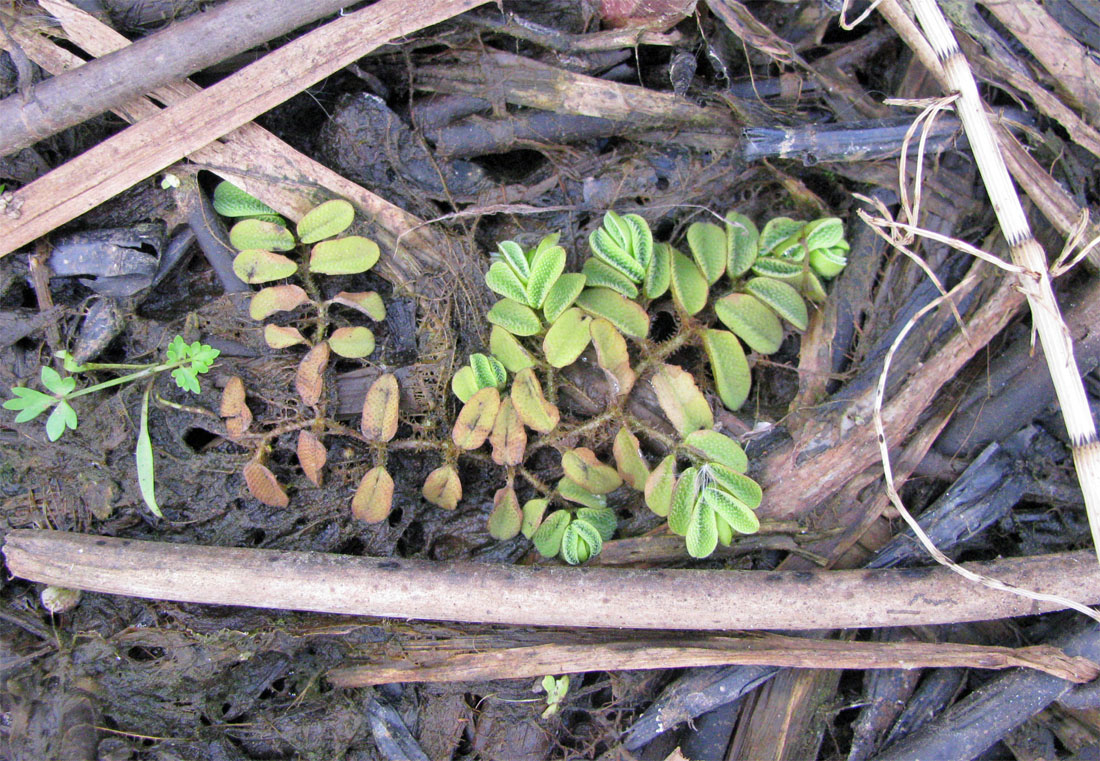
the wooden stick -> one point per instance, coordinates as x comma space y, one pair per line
176, 51
156, 142
537, 595
1027, 253
446, 663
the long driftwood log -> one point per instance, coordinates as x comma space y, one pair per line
539, 595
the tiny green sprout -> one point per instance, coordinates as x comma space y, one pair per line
169, 181
556, 690
184, 361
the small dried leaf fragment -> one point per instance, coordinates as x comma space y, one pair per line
681, 400
311, 456
264, 486
309, 381
475, 420
380, 408
374, 497
443, 487
507, 517
234, 408
508, 439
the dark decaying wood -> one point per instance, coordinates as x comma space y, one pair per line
541, 596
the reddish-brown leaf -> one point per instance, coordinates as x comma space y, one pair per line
234, 408
310, 380
311, 456
443, 488
475, 420
508, 438
374, 497
379, 422
264, 486
507, 517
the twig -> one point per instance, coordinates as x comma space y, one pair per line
538, 595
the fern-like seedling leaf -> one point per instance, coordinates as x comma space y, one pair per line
580, 542
547, 265
753, 321
707, 243
324, 221
29, 403
782, 298
256, 233
62, 417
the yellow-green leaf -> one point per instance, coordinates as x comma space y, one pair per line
532, 407
626, 315
707, 243
506, 348
731, 511
231, 201
533, 510
585, 469
628, 459
464, 384
775, 232
752, 320
506, 518
741, 239
280, 337
612, 355
660, 485
343, 256
782, 298
354, 342
689, 287
547, 538
601, 275
567, 338
502, 279
779, 269
659, 272
367, 302
717, 447
475, 419
732, 377
562, 294
373, 499
443, 488
256, 233
702, 533
256, 265
380, 408
737, 484
681, 400
684, 495
574, 492
546, 267
324, 221
518, 319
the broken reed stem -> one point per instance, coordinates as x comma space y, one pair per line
688, 600
1027, 253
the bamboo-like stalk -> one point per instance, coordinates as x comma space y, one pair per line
1034, 282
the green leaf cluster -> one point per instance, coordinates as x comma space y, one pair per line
575, 536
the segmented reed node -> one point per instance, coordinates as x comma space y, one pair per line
1026, 252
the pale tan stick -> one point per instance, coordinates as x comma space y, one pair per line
180, 129
538, 595
446, 662
1026, 253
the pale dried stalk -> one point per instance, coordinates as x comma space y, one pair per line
1034, 283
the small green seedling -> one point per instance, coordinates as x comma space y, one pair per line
556, 689
186, 362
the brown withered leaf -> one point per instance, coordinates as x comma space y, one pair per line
443, 487
475, 420
507, 517
234, 408
264, 486
508, 438
379, 422
309, 382
374, 497
312, 456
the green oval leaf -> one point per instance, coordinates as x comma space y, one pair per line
506, 348
256, 233
367, 302
343, 256
823, 233
547, 264
689, 287
567, 338
511, 254
778, 269
532, 407
827, 262
501, 279
601, 275
628, 316
324, 221
352, 343
782, 298
547, 538
583, 467
231, 201
488, 371
741, 244
707, 243
659, 273
518, 319
464, 384
602, 519
258, 266
718, 448
580, 542
443, 487
660, 485
681, 400
506, 518
737, 484
279, 298
475, 419
570, 490
776, 231
562, 294
683, 502
731, 511
702, 533
728, 365
533, 510
628, 459
751, 320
